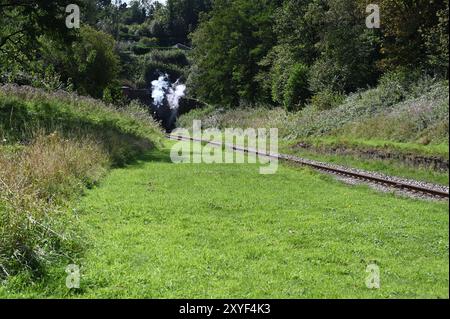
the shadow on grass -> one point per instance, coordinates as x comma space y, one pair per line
153, 155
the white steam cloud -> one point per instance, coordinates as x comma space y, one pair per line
159, 88
162, 88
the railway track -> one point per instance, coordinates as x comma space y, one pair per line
409, 186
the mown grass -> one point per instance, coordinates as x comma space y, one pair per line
161, 230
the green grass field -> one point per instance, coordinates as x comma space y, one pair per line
161, 230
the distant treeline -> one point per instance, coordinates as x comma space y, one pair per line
244, 51
287, 52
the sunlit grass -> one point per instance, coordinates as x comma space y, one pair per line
160, 230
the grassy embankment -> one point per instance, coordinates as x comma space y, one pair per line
53, 147
393, 128
161, 230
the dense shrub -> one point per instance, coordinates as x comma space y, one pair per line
149, 42
161, 61
281, 61
140, 49
154, 69
90, 62
296, 92
175, 56
326, 100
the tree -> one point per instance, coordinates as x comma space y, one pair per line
348, 50
228, 45
95, 64
297, 32
297, 93
90, 63
436, 44
410, 29
22, 22
135, 13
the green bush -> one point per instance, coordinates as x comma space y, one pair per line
326, 100
171, 61
149, 42
326, 74
140, 49
395, 85
280, 72
90, 63
175, 56
153, 69
296, 92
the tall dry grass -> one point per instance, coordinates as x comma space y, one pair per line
35, 183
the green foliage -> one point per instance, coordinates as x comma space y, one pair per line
175, 56
394, 86
90, 63
296, 32
280, 61
415, 35
149, 42
329, 37
113, 94
172, 62
436, 43
326, 100
182, 17
140, 49
21, 24
144, 45
347, 49
135, 14
296, 92
94, 64
244, 51
227, 48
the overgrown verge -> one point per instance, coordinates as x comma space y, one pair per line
53, 146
